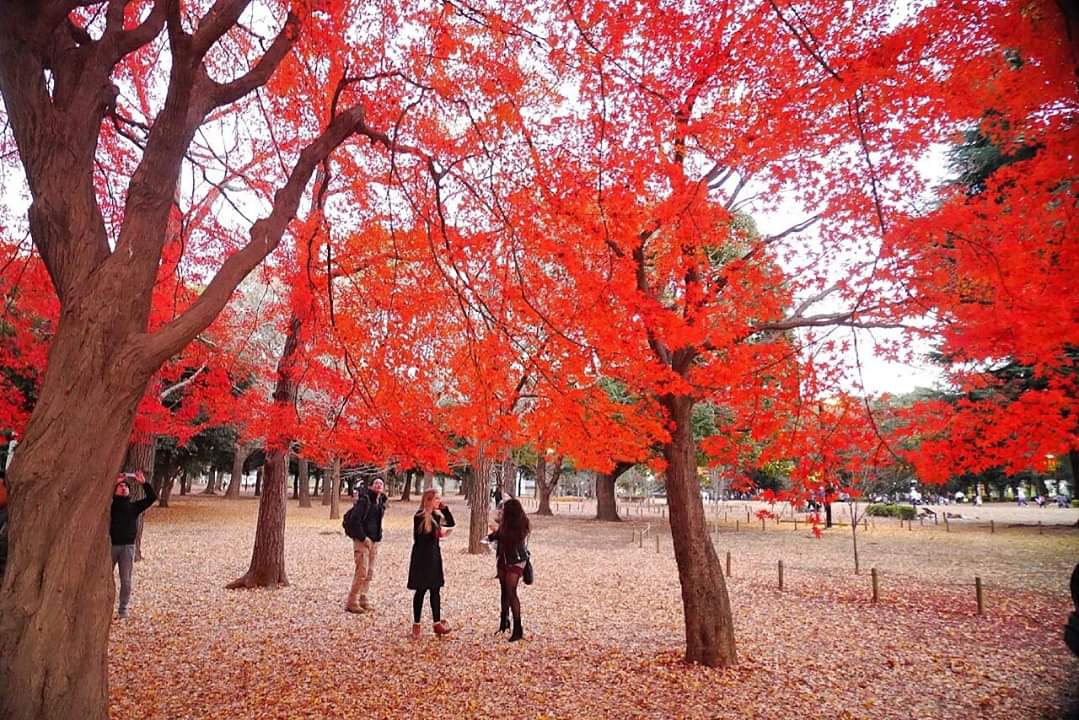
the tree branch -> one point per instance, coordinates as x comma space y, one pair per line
217, 21
846, 319
257, 76
265, 234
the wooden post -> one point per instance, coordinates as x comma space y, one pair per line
947, 527
762, 524
728, 563
1039, 527
992, 527
876, 584
736, 522
640, 540
796, 524
865, 524
747, 515
978, 594
781, 575
657, 544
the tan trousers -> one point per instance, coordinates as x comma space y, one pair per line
365, 552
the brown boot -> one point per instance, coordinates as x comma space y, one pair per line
417, 630
441, 628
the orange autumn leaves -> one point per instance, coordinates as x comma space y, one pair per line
533, 218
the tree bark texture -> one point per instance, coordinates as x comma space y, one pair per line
267, 567
335, 489
211, 482
305, 482
509, 473
140, 456
706, 604
606, 504
406, 491
544, 485
57, 594
326, 488
240, 453
165, 475
479, 492
168, 480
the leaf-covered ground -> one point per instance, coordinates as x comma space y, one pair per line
603, 626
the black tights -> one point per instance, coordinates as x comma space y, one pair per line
508, 583
436, 605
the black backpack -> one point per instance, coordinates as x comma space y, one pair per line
352, 522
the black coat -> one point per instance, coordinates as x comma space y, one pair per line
123, 522
425, 565
371, 506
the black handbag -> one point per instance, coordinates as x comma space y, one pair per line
527, 575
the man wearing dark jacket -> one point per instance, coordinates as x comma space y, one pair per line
366, 534
123, 527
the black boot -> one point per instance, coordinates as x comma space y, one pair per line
503, 622
518, 631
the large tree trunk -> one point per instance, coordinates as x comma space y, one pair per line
479, 493
140, 456
211, 482
326, 486
267, 567
268, 556
56, 600
706, 605
544, 485
260, 473
168, 480
606, 505
165, 475
305, 482
335, 489
509, 473
406, 492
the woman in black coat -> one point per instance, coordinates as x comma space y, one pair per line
431, 522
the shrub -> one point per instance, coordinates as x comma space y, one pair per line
903, 512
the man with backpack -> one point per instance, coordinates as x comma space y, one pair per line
363, 523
